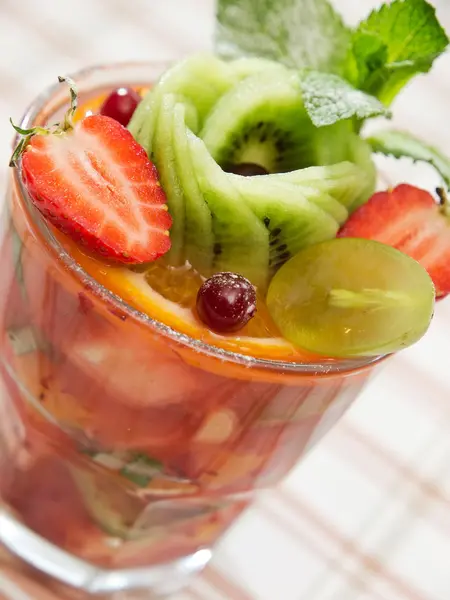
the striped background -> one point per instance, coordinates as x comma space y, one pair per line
367, 515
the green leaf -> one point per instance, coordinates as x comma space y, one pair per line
404, 145
395, 43
329, 99
141, 469
297, 33
137, 478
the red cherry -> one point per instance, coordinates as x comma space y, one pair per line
226, 302
121, 104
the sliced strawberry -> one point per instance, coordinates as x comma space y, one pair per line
95, 183
409, 219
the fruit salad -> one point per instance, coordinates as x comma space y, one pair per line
200, 274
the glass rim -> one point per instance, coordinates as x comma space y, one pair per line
324, 367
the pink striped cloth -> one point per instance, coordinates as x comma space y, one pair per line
367, 514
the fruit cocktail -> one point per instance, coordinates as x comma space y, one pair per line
198, 280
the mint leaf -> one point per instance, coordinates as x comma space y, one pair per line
396, 42
297, 33
400, 144
141, 469
329, 99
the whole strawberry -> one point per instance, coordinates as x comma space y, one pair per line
409, 219
95, 183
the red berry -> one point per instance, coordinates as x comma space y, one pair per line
226, 302
121, 104
96, 184
409, 219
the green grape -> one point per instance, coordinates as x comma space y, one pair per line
351, 297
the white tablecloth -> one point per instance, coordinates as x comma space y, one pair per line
367, 514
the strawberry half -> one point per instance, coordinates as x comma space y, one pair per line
95, 183
409, 219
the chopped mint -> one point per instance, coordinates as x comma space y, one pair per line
138, 478
148, 461
141, 469
396, 42
400, 144
297, 33
329, 98
135, 466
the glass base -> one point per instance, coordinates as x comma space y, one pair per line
43, 564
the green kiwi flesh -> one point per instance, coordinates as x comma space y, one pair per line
206, 116
319, 198
293, 222
346, 182
198, 81
164, 159
198, 233
262, 120
241, 241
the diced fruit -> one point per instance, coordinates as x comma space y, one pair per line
121, 104
47, 499
226, 302
351, 297
92, 181
409, 219
130, 370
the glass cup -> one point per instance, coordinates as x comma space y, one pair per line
126, 448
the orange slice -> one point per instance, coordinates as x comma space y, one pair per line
171, 302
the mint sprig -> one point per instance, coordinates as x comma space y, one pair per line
401, 144
329, 99
395, 43
297, 33
378, 58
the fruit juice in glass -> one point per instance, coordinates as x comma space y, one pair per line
129, 448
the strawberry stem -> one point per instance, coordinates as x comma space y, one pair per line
57, 128
68, 117
28, 134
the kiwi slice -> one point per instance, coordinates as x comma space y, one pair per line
164, 158
292, 221
241, 241
262, 120
280, 188
344, 181
198, 81
198, 228
327, 203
